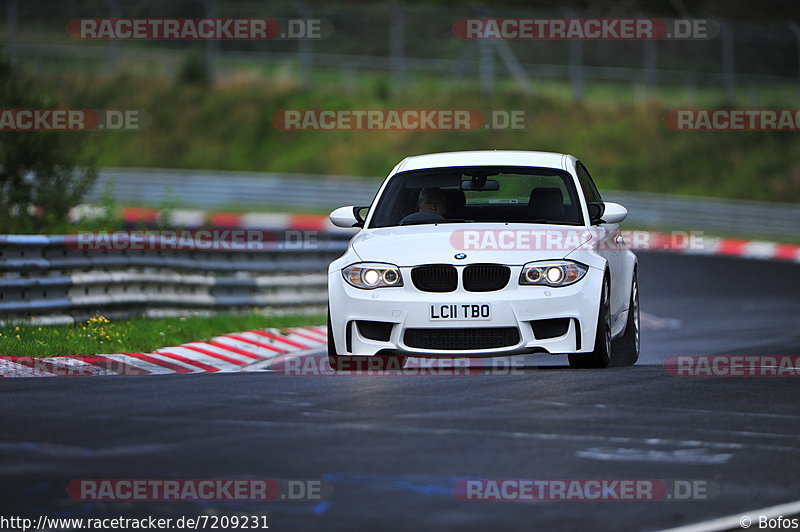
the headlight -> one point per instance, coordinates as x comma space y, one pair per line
552, 273
368, 276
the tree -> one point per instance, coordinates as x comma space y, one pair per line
43, 174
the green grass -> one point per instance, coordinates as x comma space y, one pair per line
624, 142
99, 335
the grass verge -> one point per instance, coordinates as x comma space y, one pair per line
100, 335
625, 143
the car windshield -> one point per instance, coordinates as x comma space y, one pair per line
479, 194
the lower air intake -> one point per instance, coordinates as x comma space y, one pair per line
462, 339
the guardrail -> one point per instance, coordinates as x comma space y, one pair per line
262, 191
204, 188
711, 215
45, 277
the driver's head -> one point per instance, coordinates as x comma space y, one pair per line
432, 200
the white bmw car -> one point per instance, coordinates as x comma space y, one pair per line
480, 254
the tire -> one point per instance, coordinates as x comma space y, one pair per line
334, 360
626, 348
601, 356
338, 362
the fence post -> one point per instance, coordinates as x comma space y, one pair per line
11, 29
212, 45
650, 64
486, 66
397, 44
795, 29
576, 70
304, 49
113, 45
513, 65
691, 93
576, 78
728, 61
752, 95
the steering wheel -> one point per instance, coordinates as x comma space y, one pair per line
422, 218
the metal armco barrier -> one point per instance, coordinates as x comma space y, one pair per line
43, 276
212, 188
712, 215
262, 191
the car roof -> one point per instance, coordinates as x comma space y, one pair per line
485, 158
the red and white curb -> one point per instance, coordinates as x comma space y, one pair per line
228, 353
679, 242
708, 245
291, 351
193, 219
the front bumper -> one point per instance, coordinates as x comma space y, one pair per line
514, 306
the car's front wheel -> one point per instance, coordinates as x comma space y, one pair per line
334, 360
601, 356
626, 348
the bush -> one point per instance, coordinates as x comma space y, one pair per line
43, 174
194, 71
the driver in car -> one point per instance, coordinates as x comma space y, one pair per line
432, 200
431, 208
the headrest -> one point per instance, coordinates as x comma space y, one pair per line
546, 203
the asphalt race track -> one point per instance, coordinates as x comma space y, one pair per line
392, 447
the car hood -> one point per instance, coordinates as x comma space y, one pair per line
513, 244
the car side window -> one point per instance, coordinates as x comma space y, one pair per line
587, 185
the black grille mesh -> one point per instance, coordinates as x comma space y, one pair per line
435, 278
485, 277
461, 339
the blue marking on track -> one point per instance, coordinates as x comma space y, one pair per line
422, 484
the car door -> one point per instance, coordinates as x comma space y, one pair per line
609, 245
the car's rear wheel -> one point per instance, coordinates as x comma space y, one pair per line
626, 348
338, 362
601, 356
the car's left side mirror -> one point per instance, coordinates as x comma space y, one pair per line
350, 216
613, 213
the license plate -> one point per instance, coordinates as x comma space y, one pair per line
460, 311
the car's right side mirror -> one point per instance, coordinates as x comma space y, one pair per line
612, 213
596, 210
